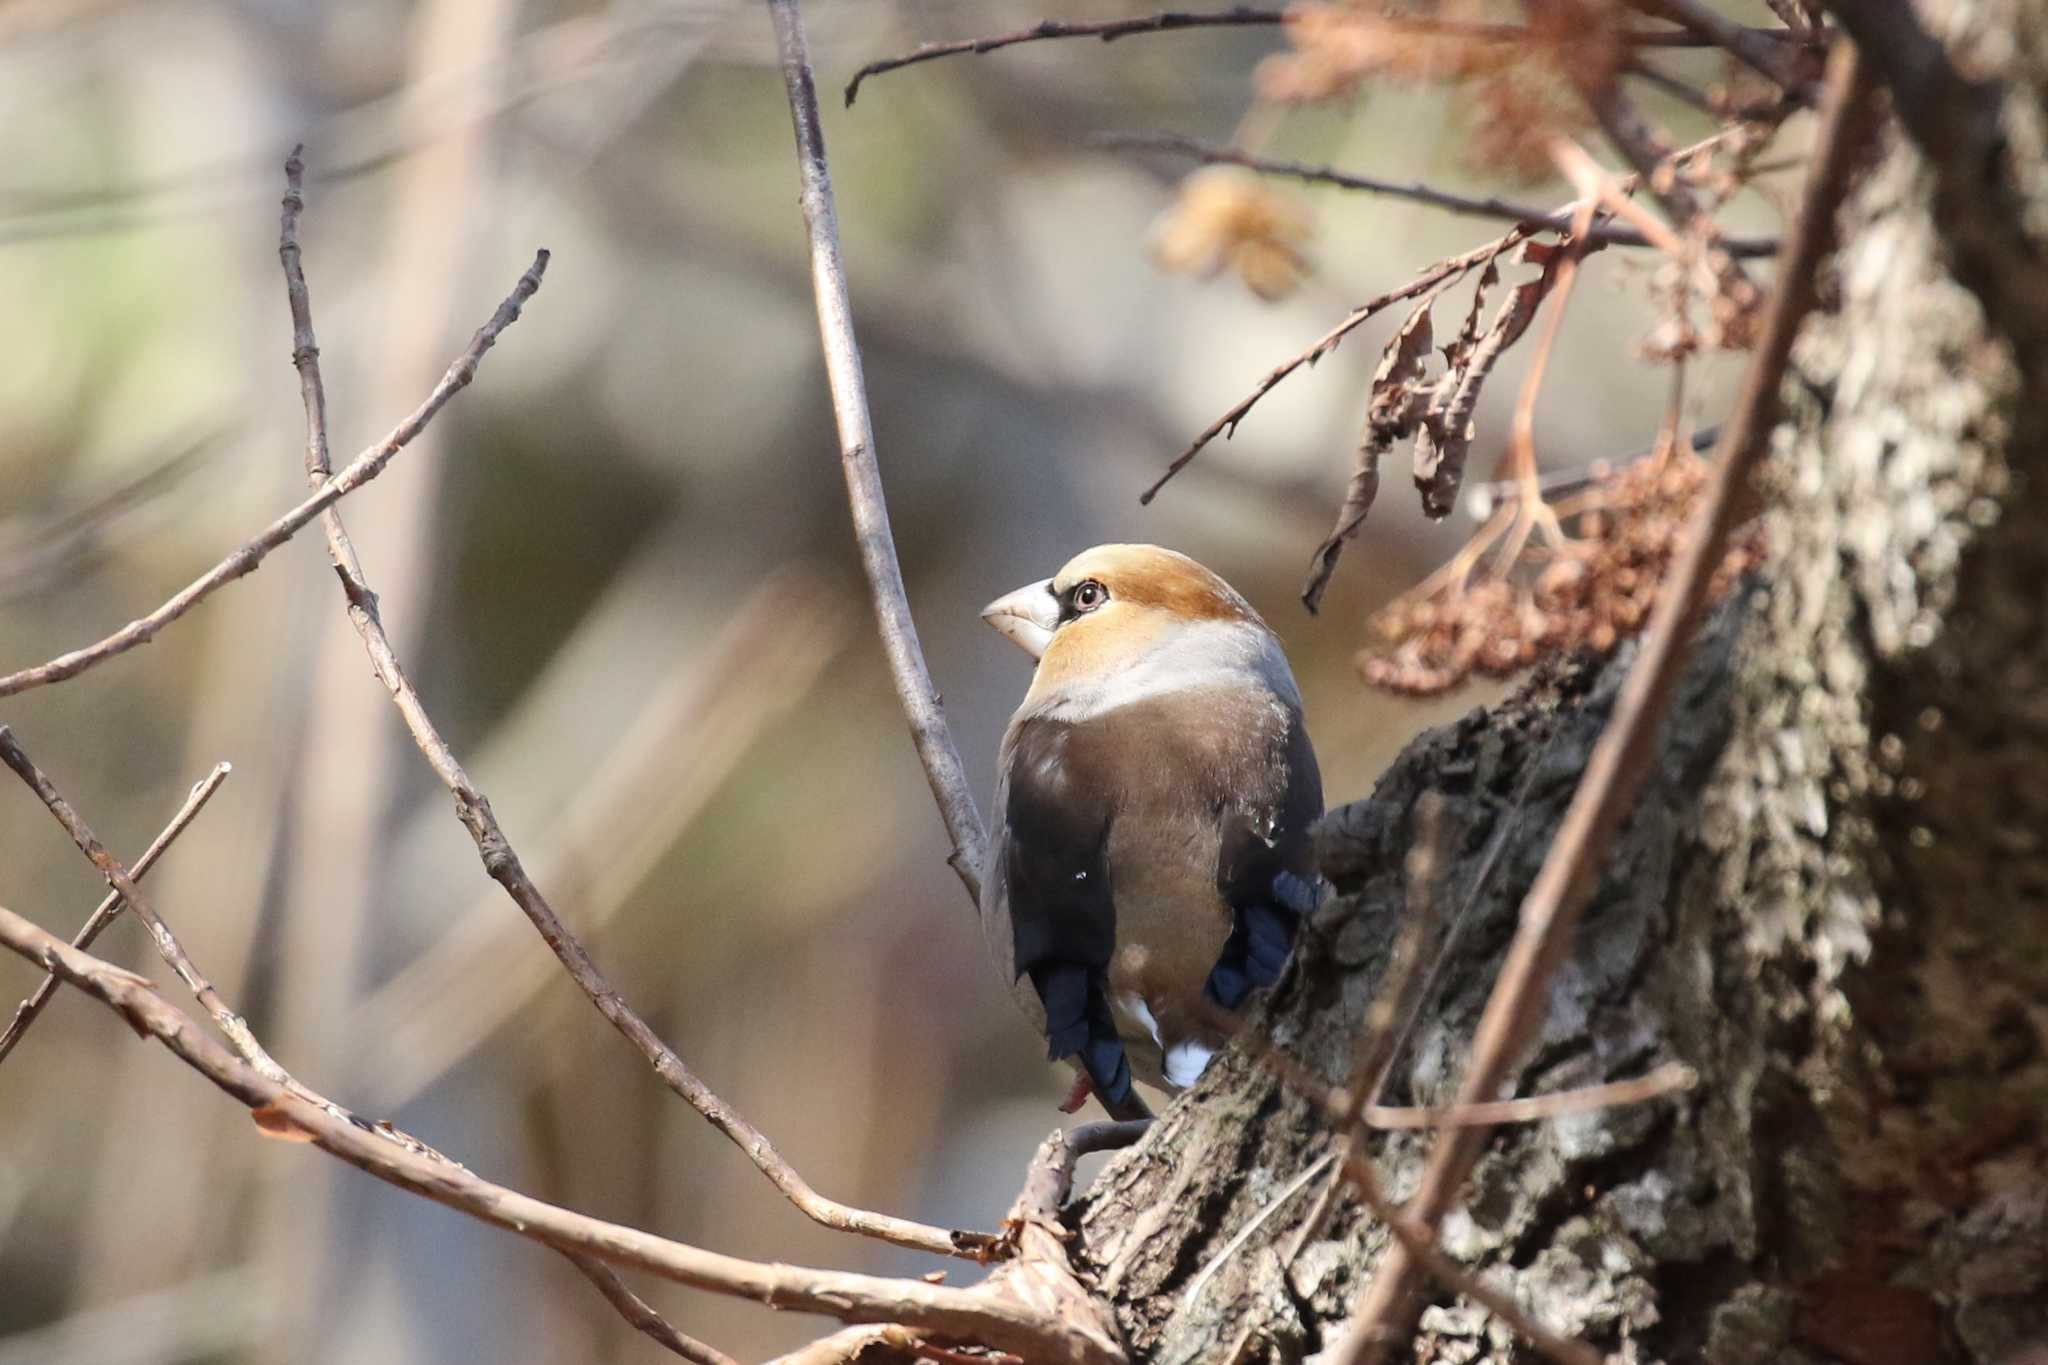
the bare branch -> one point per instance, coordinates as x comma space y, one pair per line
244, 560
928, 729
1529, 216
103, 914
502, 862
1627, 748
954, 1314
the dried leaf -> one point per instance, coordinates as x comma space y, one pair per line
273, 1121
1446, 436
1397, 403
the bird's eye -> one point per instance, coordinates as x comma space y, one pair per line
1089, 595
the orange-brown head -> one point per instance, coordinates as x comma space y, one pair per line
1123, 620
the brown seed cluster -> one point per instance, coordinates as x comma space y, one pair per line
1588, 593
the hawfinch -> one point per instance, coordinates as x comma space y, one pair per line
1151, 854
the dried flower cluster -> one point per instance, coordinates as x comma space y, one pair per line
1226, 216
1588, 590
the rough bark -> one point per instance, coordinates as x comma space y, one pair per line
1829, 902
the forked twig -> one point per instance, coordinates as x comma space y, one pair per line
502, 862
103, 914
1627, 747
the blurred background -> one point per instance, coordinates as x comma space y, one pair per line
620, 569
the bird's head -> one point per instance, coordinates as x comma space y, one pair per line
1115, 607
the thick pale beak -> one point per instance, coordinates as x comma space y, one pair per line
1026, 617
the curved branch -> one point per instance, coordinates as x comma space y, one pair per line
928, 729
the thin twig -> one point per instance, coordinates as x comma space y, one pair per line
1107, 31
244, 560
502, 862
1627, 747
231, 1024
1530, 216
1244, 1234
954, 1314
641, 1315
914, 688
103, 914
1243, 16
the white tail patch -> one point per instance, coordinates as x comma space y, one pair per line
1185, 1063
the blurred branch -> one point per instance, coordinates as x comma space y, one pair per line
103, 914
502, 862
1628, 746
38, 554
921, 704
1527, 215
280, 1110
353, 475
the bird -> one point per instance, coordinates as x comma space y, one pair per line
1151, 860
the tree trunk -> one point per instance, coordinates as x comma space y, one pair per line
1828, 900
